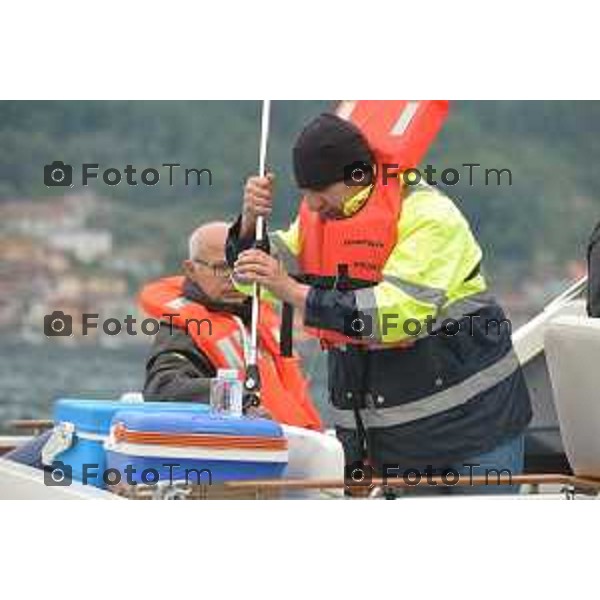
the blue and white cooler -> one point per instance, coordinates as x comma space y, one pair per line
81, 428
193, 448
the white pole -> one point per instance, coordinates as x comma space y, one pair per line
260, 230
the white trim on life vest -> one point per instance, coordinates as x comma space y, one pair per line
405, 118
227, 348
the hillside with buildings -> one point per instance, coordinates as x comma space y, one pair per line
80, 247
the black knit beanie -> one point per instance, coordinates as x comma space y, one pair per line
324, 148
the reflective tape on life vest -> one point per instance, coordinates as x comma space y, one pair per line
230, 352
434, 404
406, 116
242, 338
178, 302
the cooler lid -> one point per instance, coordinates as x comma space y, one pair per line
194, 422
95, 416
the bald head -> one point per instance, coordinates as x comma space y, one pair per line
207, 242
206, 265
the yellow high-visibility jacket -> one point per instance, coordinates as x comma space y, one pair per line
442, 398
426, 275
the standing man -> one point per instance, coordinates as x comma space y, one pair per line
375, 267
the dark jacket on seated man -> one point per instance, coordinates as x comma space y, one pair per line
176, 368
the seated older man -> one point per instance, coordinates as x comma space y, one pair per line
186, 355
205, 325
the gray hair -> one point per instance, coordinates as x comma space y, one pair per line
197, 235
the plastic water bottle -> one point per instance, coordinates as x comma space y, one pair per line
226, 392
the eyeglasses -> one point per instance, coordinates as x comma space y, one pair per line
220, 269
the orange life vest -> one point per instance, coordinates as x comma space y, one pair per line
221, 338
399, 132
361, 243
